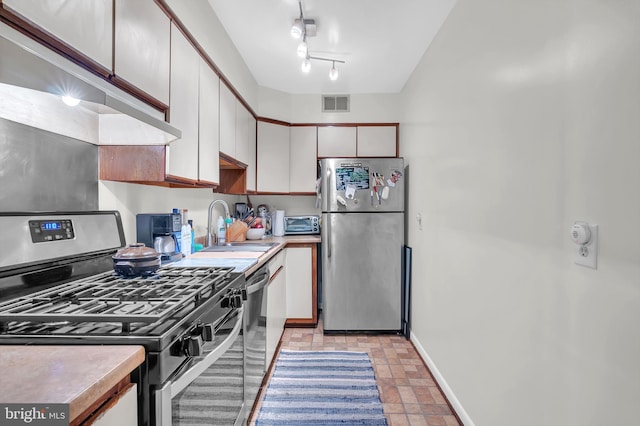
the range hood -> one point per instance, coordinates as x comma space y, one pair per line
34, 79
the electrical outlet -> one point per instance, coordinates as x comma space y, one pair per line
585, 235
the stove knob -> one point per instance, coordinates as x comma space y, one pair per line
238, 300
193, 346
208, 332
225, 302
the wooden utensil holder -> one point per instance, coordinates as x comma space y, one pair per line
237, 231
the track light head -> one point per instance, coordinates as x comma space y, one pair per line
333, 72
306, 65
297, 30
302, 49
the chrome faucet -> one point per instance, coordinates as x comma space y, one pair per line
209, 225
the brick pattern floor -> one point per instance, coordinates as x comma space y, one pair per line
408, 392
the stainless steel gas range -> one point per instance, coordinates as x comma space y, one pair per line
57, 287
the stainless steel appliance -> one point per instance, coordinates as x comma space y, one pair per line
362, 243
255, 334
57, 286
301, 225
162, 232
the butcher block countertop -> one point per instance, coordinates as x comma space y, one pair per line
74, 375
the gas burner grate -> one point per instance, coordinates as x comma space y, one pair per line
109, 297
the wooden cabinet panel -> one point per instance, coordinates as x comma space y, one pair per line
182, 158
227, 121
273, 157
84, 25
303, 160
209, 125
336, 141
142, 46
377, 141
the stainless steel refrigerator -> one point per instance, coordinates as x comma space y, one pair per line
362, 204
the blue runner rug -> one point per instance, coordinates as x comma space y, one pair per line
322, 388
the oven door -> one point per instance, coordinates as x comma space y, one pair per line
211, 386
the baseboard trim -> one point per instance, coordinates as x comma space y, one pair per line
442, 383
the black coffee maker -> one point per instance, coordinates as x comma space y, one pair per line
160, 231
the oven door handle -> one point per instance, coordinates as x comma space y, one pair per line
178, 384
259, 283
173, 387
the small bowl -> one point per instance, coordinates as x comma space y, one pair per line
255, 233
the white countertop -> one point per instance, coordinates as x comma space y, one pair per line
245, 261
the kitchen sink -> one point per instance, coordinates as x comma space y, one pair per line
259, 247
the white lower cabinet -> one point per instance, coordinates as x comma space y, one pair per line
299, 286
122, 410
276, 304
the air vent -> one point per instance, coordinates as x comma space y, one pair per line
333, 103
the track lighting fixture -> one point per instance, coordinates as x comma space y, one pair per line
306, 65
297, 30
303, 28
303, 49
333, 72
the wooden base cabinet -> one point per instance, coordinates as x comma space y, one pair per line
302, 286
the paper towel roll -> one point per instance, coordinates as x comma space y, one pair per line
278, 224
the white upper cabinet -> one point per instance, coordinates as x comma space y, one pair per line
227, 121
242, 133
209, 125
377, 141
142, 46
302, 152
252, 161
336, 141
182, 158
246, 143
273, 157
84, 25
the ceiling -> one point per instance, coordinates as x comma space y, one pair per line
381, 41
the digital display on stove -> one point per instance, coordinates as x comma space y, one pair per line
50, 226
51, 230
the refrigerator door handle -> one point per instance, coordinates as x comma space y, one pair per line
328, 236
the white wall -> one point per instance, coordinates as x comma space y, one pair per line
131, 199
521, 118
364, 108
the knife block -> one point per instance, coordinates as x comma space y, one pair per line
237, 231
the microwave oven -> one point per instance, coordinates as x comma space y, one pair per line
301, 225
